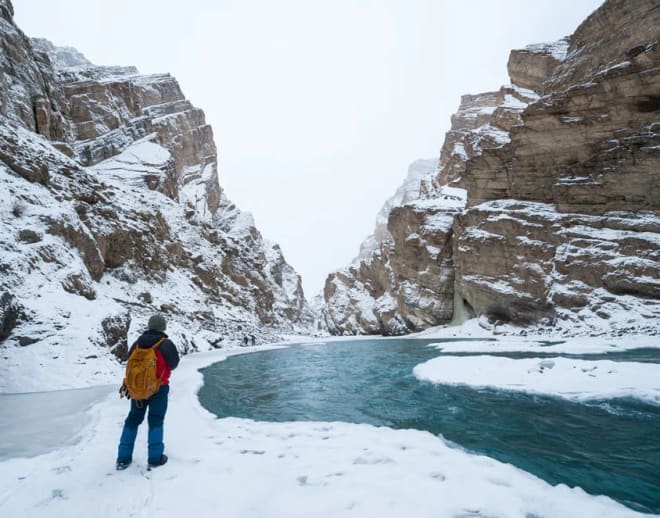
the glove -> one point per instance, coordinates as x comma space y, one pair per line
123, 392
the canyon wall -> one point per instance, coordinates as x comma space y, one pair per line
110, 211
560, 225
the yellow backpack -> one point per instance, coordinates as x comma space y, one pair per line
141, 380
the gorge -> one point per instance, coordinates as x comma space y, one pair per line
543, 210
522, 264
540, 215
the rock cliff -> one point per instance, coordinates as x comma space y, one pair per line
110, 210
561, 223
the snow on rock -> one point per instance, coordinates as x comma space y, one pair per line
419, 172
557, 49
61, 57
235, 222
110, 211
409, 269
411, 262
249, 469
581, 274
557, 376
531, 67
146, 153
560, 228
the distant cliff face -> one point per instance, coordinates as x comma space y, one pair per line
561, 171
111, 210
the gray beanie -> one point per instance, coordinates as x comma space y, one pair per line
157, 323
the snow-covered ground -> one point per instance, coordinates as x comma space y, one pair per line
471, 328
577, 340
241, 468
582, 345
565, 377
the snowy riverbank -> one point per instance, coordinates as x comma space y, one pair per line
575, 379
564, 377
241, 468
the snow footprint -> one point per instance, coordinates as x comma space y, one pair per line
57, 494
61, 469
253, 452
338, 474
542, 366
304, 480
372, 459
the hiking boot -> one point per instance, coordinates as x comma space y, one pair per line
159, 462
123, 464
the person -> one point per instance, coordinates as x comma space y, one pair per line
167, 359
245, 340
253, 339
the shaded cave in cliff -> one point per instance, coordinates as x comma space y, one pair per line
650, 104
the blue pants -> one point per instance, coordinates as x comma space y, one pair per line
157, 405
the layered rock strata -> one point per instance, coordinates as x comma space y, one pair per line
111, 210
561, 227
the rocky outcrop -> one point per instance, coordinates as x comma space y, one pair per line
598, 133
532, 66
109, 108
9, 314
561, 225
406, 284
111, 210
419, 174
417, 252
542, 265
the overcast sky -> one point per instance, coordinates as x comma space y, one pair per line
317, 106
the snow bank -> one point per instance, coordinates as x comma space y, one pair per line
628, 327
568, 378
591, 345
241, 468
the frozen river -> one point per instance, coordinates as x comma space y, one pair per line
39, 422
605, 446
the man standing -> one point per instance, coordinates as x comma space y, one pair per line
167, 358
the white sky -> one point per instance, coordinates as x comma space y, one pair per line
317, 106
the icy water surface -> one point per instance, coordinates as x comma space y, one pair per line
60, 416
606, 447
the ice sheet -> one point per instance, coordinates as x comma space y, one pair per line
36, 423
565, 377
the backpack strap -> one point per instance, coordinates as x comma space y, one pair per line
132, 348
155, 347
